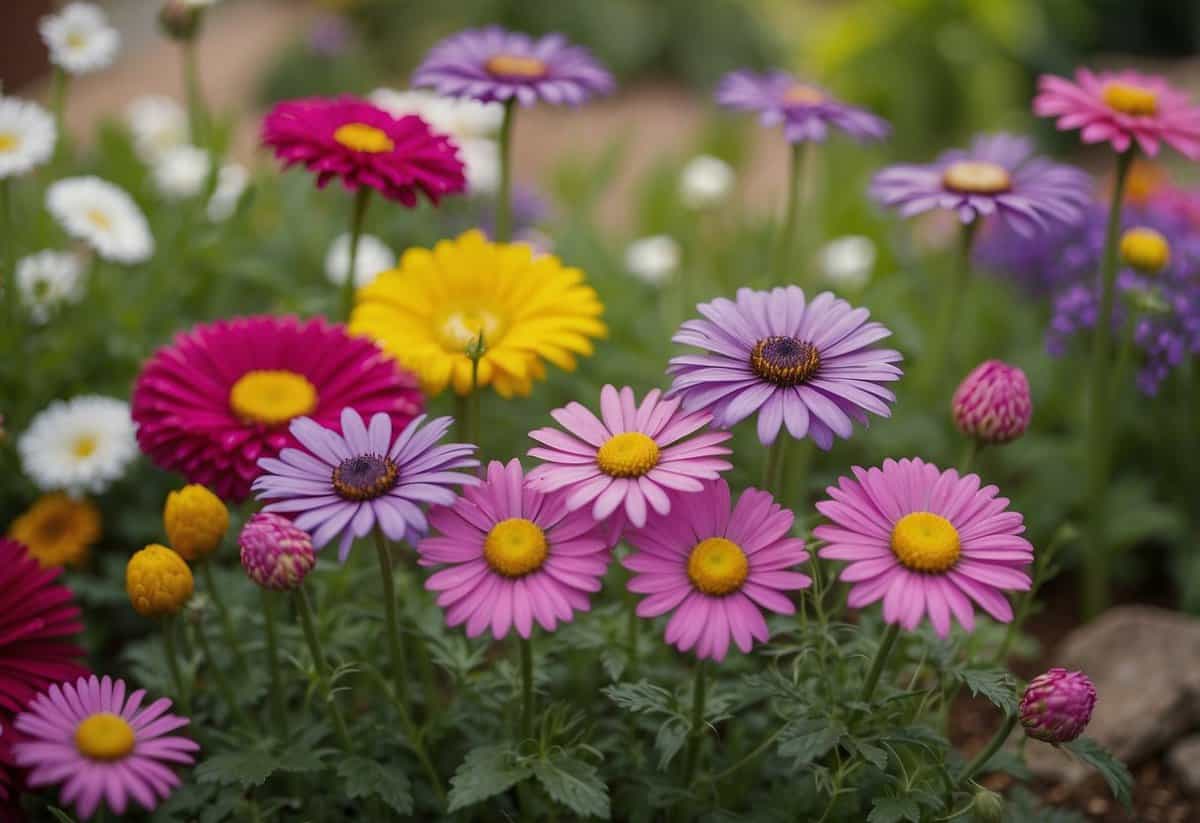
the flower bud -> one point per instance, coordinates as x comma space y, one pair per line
179, 19
195, 520
1145, 250
992, 403
158, 581
988, 806
276, 554
1057, 705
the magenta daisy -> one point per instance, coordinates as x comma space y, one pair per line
805, 111
221, 396
630, 459
494, 64
717, 566
101, 745
808, 365
341, 486
1121, 108
513, 555
364, 146
926, 541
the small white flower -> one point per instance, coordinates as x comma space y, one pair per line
481, 164
460, 118
652, 259
232, 179
79, 446
181, 172
373, 257
80, 39
102, 215
158, 124
27, 135
847, 262
46, 280
705, 181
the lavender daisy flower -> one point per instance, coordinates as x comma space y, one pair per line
999, 174
806, 112
495, 64
809, 365
343, 485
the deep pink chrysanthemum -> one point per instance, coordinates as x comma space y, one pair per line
926, 541
1121, 108
513, 555
992, 404
631, 459
363, 145
222, 395
717, 565
100, 745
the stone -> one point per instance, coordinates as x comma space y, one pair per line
1184, 760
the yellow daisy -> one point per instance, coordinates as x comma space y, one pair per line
58, 530
427, 313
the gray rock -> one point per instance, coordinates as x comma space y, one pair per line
1184, 760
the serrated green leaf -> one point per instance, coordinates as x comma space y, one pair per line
1114, 772
366, 778
876, 756
894, 809
810, 740
642, 697
668, 742
996, 684
575, 784
486, 772
247, 768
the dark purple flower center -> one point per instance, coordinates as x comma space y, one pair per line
785, 361
365, 477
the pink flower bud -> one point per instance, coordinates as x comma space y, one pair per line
275, 553
1057, 705
992, 404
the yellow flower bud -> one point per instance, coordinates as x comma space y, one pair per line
1145, 250
195, 520
158, 581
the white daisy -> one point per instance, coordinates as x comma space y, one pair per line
232, 179
48, 279
847, 262
705, 181
102, 215
481, 163
80, 446
374, 257
181, 172
80, 39
27, 135
461, 118
653, 259
158, 124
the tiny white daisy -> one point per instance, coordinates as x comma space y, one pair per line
461, 118
102, 215
80, 38
158, 124
374, 257
181, 172
705, 181
48, 279
232, 179
847, 262
27, 135
82, 445
652, 259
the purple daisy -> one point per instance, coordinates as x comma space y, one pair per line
346, 484
495, 64
999, 174
807, 365
805, 111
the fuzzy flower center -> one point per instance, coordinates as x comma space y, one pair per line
272, 396
785, 361
925, 542
76, 39
976, 177
802, 95
459, 329
365, 477
1130, 99
1145, 249
99, 219
9, 142
629, 454
364, 138
515, 547
516, 65
717, 566
84, 446
104, 736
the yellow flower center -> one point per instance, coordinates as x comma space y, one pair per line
1128, 99
515, 65
802, 95
1145, 249
58, 530
976, 177
629, 454
272, 396
84, 446
717, 566
364, 138
9, 141
515, 547
104, 736
99, 219
459, 329
925, 542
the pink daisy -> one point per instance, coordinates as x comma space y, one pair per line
513, 555
1121, 107
631, 459
926, 541
717, 566
100, 745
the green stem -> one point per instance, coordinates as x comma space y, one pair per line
8, 272
980, 760
786, 245
773, 470
231, 638
314, 647
171, 652
881, 656
632, 629
696, 732
278, 704
197, 110
218, 676
937, 359
1043, 570
526, 688
504, 193
358, 213
753, 755
59, 85
399, 663
1096, 560
970, 453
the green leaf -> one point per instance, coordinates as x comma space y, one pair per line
642, 697
894, 809
669, 741
575, 784
486, 772
366, 778
1114, 772
60, 815
809, 740
871, 753
996, 684
247, 768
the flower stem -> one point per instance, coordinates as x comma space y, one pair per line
632, 629
171, 652
278, 705
8, 237
526, 688
953, 290
231, 638
504, 193
314, 647
399, 663
1098, 443
970, 453
357, 214
59, 84
197, 110
786, 243
773, 470
218, 676
881, 656
980, 760
696, 732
